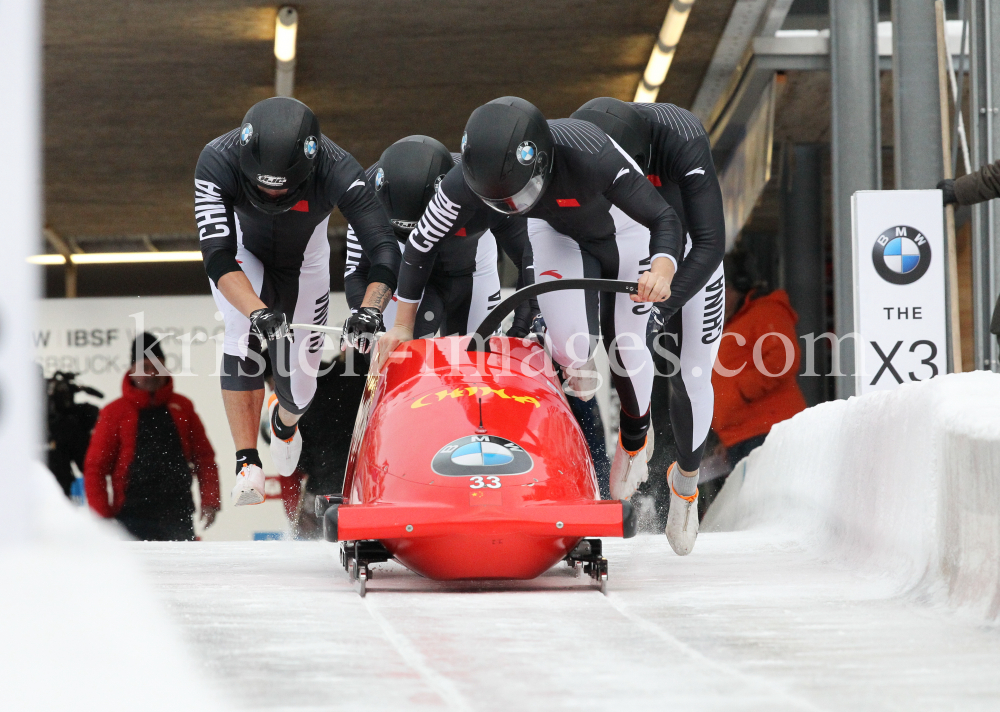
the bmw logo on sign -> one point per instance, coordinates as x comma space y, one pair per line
246, 134
481, 455
901, 255
526, 153
379, 179
310, 147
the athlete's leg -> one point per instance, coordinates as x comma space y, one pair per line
697, 326
623, 325
457, 295
242, 383
571, 316
242, 366
304, 298
485, 283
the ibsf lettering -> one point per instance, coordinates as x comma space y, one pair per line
80, 338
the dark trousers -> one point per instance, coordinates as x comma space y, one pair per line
163, 529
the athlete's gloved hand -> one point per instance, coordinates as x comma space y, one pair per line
523, 316
947, 188
269, 324
360, 329
538, 328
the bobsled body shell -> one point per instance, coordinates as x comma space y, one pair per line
453, 500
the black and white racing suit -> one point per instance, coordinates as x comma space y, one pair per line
286, 257
464, 284
683, 173
599, 217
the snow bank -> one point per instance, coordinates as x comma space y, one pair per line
901, 484
80, 628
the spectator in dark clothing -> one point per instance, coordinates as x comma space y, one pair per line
976, 187
69, 427
149, 443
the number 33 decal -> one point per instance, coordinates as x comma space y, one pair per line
491, 482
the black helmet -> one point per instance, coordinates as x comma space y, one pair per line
407, 177
279, 143
622, 123
507, 154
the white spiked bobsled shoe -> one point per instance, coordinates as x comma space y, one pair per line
249, 488
582, 382
284, 453
682, 519
628, 470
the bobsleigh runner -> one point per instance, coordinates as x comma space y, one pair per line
467, 463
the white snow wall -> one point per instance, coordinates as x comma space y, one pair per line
902, 485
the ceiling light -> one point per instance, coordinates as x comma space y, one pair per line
95, 258
286, 27
663, 51
47, 260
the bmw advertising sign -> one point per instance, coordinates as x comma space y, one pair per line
899, 288
481, 455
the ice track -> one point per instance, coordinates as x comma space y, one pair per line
853, 563
744, 623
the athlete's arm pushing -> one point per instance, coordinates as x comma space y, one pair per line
511, 233
452, 207
356, 266
631, 192
215, 187
374, 233
694, 173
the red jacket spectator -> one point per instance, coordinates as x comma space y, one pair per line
748, 403
113, 448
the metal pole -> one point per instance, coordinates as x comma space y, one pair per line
856, 147
984, 33
20, 225
954, 322
803, 263
916, 113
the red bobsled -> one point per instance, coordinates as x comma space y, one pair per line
469, 464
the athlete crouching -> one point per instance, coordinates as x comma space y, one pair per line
670, 145
263, 197
453, 275
591, 213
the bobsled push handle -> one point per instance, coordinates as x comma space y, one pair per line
501, 310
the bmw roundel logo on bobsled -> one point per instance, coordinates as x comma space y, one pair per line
467, 463
481, 455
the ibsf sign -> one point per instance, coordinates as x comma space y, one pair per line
899, 288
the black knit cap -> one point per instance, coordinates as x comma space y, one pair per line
148, 345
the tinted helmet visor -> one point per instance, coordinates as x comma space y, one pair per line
525, 199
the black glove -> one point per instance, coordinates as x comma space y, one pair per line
538, 328
269, 324
361, 327
947, 188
